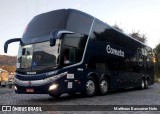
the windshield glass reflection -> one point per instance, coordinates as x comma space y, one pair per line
38, 56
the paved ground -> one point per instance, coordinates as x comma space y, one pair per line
4, 90
150, 96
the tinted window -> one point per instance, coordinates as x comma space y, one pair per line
100, 31
73, 48
44, 24
79, 22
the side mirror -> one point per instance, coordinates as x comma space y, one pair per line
57, 35
52, 41
10, 41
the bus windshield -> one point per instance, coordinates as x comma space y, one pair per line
38, 56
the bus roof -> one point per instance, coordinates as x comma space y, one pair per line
43, 24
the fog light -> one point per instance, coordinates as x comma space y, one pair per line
52, 87
15, 88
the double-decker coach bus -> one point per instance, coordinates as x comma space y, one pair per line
68, 51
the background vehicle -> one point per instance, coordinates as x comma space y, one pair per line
68, 51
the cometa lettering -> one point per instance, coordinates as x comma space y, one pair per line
113, 51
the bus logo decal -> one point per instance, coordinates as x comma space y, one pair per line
31, 73
113, 51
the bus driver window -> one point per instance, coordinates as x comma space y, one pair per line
66, 56
66, 60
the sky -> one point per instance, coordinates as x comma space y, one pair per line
130, 15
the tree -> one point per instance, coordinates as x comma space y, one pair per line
9, 68
157, 59
138, 36
135, 34
157, 48
117, 27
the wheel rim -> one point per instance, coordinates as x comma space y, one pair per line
143, 84
90, 87
103, 86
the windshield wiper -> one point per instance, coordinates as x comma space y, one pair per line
37, 70
22, 69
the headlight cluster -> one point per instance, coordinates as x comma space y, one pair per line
52, 87
15, 88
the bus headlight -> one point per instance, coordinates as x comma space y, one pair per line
52, 87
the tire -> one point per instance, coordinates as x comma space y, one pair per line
55, 95
90, 87
146, 84
103, 86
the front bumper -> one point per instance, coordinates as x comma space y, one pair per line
41, 86
43, 89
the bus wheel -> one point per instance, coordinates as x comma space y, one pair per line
90, 87
55, 95
103, 86
146, 83
142, 84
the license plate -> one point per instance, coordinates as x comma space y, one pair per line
29, 90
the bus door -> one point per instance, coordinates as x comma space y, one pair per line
75, 74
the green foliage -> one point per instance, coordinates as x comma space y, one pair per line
157, 59
157, 48
157, 53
